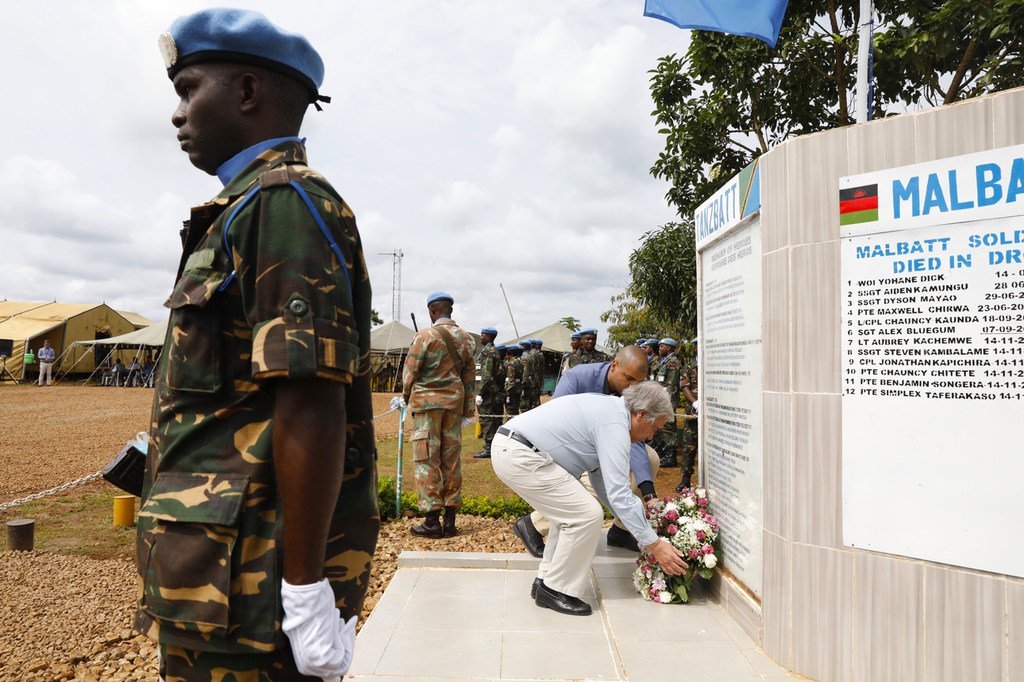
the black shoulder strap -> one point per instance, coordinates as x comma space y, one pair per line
450, 343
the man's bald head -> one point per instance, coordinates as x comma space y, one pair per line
628, 367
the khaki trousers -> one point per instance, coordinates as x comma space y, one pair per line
542, 524
46, 370
575, 515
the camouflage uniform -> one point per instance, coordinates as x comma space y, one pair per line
513, 385
500, 388
439, 396
488, 391
574, 359
537, 360
584, 357
530, 380
666, 441
688, 434
275, 306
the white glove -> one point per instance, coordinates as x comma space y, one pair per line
696, 405
397, 403
322, 643
479, 401
466, 421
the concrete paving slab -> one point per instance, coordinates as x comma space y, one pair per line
468, 616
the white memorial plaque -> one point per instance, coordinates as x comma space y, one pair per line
933, 364
730, 396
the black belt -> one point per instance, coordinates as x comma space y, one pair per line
515, 436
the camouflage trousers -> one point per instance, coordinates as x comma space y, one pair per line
437, 453
688, 449
666, 441
489, 425
183, 665
512, 404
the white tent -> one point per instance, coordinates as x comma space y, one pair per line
391, 337
147, 337
556, 338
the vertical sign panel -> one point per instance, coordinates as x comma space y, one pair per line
933, 360
730, 395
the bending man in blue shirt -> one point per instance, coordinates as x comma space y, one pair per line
609, 378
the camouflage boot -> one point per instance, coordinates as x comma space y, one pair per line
431, 526
449, 522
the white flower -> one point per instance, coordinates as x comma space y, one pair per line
710, 561
701, 493
665, 597
669, 507
689, 503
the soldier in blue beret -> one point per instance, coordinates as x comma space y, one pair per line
489, 393
262, 404
588, 349
574, 344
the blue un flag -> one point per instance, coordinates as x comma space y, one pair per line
759, 19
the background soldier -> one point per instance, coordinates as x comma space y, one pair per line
439, 378
529, 376
667, 440
688, 434
259, 414
650, 347
487, 399
514, 380
538, 373
503, 356
588, 349
574, 343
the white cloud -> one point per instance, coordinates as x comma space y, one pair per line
491, 142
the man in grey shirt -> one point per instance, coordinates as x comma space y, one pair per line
541, 455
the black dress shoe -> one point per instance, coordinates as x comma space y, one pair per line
562, 603
537, 582
483, 454
618, 537
532, 540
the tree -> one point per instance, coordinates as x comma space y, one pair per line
375, 318
730, 98
661, 299
572, 323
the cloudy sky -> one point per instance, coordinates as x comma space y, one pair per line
502, 141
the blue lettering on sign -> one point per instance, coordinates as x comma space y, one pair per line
717, 213
989, 190
1016, 181
905, 192
942, 192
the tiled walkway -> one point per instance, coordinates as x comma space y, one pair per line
449, 616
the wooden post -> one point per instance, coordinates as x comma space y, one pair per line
20, 535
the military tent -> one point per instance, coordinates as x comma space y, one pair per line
25, 325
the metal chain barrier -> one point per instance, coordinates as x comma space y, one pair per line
92, 477
51, 491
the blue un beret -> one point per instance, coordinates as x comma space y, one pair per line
440, 296
577, 335
241, 36
489, 330
669, 342
591, 330
651, 343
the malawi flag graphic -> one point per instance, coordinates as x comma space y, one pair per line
858, 205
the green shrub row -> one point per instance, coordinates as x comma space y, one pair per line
475, 505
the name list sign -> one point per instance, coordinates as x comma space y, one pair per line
730, 395
933, 360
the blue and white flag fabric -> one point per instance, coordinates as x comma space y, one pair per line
761, 19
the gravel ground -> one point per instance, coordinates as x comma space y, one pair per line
70, 618
67, 617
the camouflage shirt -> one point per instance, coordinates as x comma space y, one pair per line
268, 302
514, 377
667, 374
430, 378
529, 371
688, 378
488, 373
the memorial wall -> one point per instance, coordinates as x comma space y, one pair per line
875, 433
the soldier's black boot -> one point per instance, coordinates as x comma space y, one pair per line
485, 453
431, 526
449, 523
684, 480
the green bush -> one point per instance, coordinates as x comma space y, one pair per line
475, 505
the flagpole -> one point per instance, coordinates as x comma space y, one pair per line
863, 60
